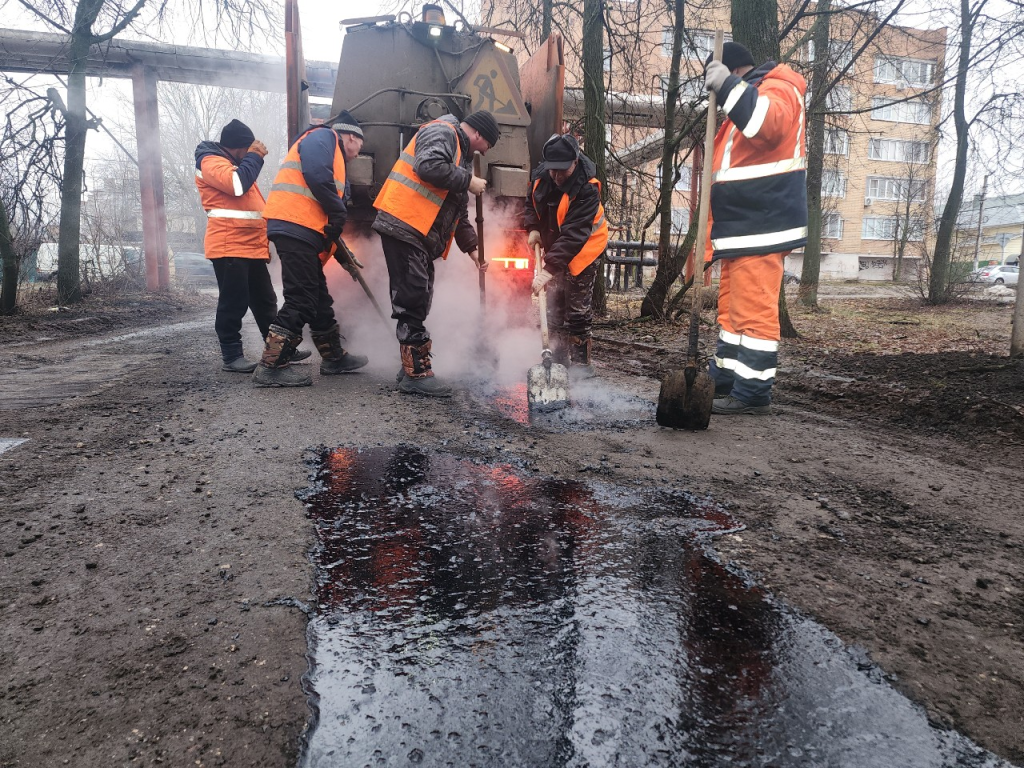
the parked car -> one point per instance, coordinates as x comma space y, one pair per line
790, 278
192, 268
1000, 274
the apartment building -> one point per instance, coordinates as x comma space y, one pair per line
878, 184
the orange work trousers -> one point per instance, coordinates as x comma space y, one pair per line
747, 352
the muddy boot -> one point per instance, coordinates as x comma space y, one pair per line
559, 347
273, 369
580, 366
419, 378
300, 354
334, 357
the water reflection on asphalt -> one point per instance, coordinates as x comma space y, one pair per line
468, 616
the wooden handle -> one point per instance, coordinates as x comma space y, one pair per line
542, 299
702, 208
480, 230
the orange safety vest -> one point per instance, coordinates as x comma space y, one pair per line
598, 239
235, 226
410, 199
290, 198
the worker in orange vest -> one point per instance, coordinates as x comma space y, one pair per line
420, 209
565, 216
305, 213
758, 215
236, 238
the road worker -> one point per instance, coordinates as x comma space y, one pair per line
421, 208
758, 215
565, 216
236, 238
306, 213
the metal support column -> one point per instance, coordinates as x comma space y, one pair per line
151, 179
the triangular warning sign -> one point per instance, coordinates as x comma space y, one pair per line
491, 87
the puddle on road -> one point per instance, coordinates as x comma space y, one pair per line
470, 616
593, 404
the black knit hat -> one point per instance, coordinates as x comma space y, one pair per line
560, 151
485, 125
733, 55
343, 122
236, 135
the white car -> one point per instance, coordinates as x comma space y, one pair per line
1001, 274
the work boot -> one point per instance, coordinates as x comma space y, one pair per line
334, 358
238, 365
300, 354
580, 366
419, 378
729, 406
273, 369
559, 347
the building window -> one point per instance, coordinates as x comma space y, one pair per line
832, 226
682, 183
680, 220
895, 188
910, 111
839, 99
667, 34
840, 53
606, 59
837, 142
833, 184
700, 44
904, 72
899, 151
879, 228
689, 90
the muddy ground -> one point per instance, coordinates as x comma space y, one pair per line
155, 575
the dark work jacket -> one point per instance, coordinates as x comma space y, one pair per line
435, 164
316, 154
561, 244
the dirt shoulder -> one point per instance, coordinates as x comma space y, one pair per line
155, 568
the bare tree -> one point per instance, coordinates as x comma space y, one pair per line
986, 38
88, 24
29, 177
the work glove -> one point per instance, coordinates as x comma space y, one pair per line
331, 234
349, 263
714, 76
540, 281
258, 148
533, 239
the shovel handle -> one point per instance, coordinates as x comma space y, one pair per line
542, 300
480, 230
702, 212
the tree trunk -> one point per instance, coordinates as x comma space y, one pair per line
545, 21
810, 273
593, 114
755, 24
670, 263
1017, 329
69, 289
938, 281
9, 285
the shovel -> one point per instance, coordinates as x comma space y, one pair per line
547, 384
686, 396
482, 349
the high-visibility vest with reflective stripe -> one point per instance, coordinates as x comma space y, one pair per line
759, 182
235, 226
598, 239
406, 196
290, 198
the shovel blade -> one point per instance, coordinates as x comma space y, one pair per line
685, 406
547, 388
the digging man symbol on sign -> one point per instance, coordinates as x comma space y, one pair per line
485, 89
